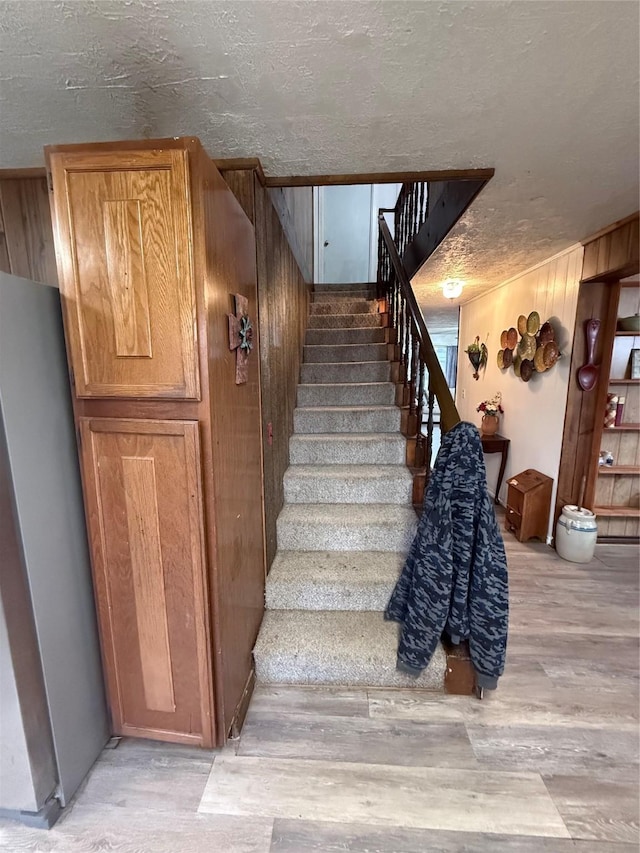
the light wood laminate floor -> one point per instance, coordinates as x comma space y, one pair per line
546, 764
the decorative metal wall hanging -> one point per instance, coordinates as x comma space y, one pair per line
241, 337
478, 356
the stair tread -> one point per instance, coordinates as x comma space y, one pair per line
339, 471
336, 647
379, 384
349, 515
355, 437
363, 408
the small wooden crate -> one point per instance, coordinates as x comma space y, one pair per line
528, 505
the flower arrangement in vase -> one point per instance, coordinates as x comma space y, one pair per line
491, 411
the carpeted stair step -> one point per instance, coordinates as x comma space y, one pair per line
349, 648
344, 321
354, 371
344, 306
345, 527
346, 352
369, 286
348, 449
346, 419
353, 484
324, 295
346, 394
332, 337
332, 580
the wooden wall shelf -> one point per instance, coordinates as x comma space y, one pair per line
624, 382
618, 469
618, 511
627, 334
621, 428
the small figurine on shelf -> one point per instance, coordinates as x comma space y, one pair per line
605, 458
491, 410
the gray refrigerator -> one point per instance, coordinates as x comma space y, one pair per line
53, 720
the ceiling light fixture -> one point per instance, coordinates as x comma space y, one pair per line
452, 288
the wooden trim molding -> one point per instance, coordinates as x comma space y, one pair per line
19, 174
241, 164
609, 228
380, 178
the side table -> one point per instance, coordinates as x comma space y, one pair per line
497, 444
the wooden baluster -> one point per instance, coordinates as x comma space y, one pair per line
380, 286
401, 331
422, 201
420, 455
406, 345
416, 212
413, 384
430, 404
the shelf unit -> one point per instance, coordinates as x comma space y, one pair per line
617, 487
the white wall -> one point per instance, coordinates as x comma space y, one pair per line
534, 411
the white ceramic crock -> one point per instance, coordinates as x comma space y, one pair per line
576, 534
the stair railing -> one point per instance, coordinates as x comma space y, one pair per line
410, 213
419, 369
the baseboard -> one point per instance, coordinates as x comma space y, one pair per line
44, 819
243, 706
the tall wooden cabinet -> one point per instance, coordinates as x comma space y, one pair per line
617, 488
151, 247
608, 291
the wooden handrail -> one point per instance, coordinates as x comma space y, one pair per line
449, 416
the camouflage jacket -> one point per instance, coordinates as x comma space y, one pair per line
455, 579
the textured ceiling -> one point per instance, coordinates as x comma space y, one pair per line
546, 92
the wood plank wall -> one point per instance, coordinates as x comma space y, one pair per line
283, 307
26, 237
294, 206
283, 299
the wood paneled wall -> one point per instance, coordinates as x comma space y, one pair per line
283, 307
26, 237
295, 210
283, 298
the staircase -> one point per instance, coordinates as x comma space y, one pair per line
347, 522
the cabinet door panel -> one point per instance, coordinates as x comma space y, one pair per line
123, 246
145, 519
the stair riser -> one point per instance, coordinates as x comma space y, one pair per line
349, 420
354, 491
347, 288
337, 537
347, 394
345, 306
328, 296
345, 352
307, 450
369, 371
332, 337
323, 596
345, 321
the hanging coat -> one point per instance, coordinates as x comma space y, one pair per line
455, 579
